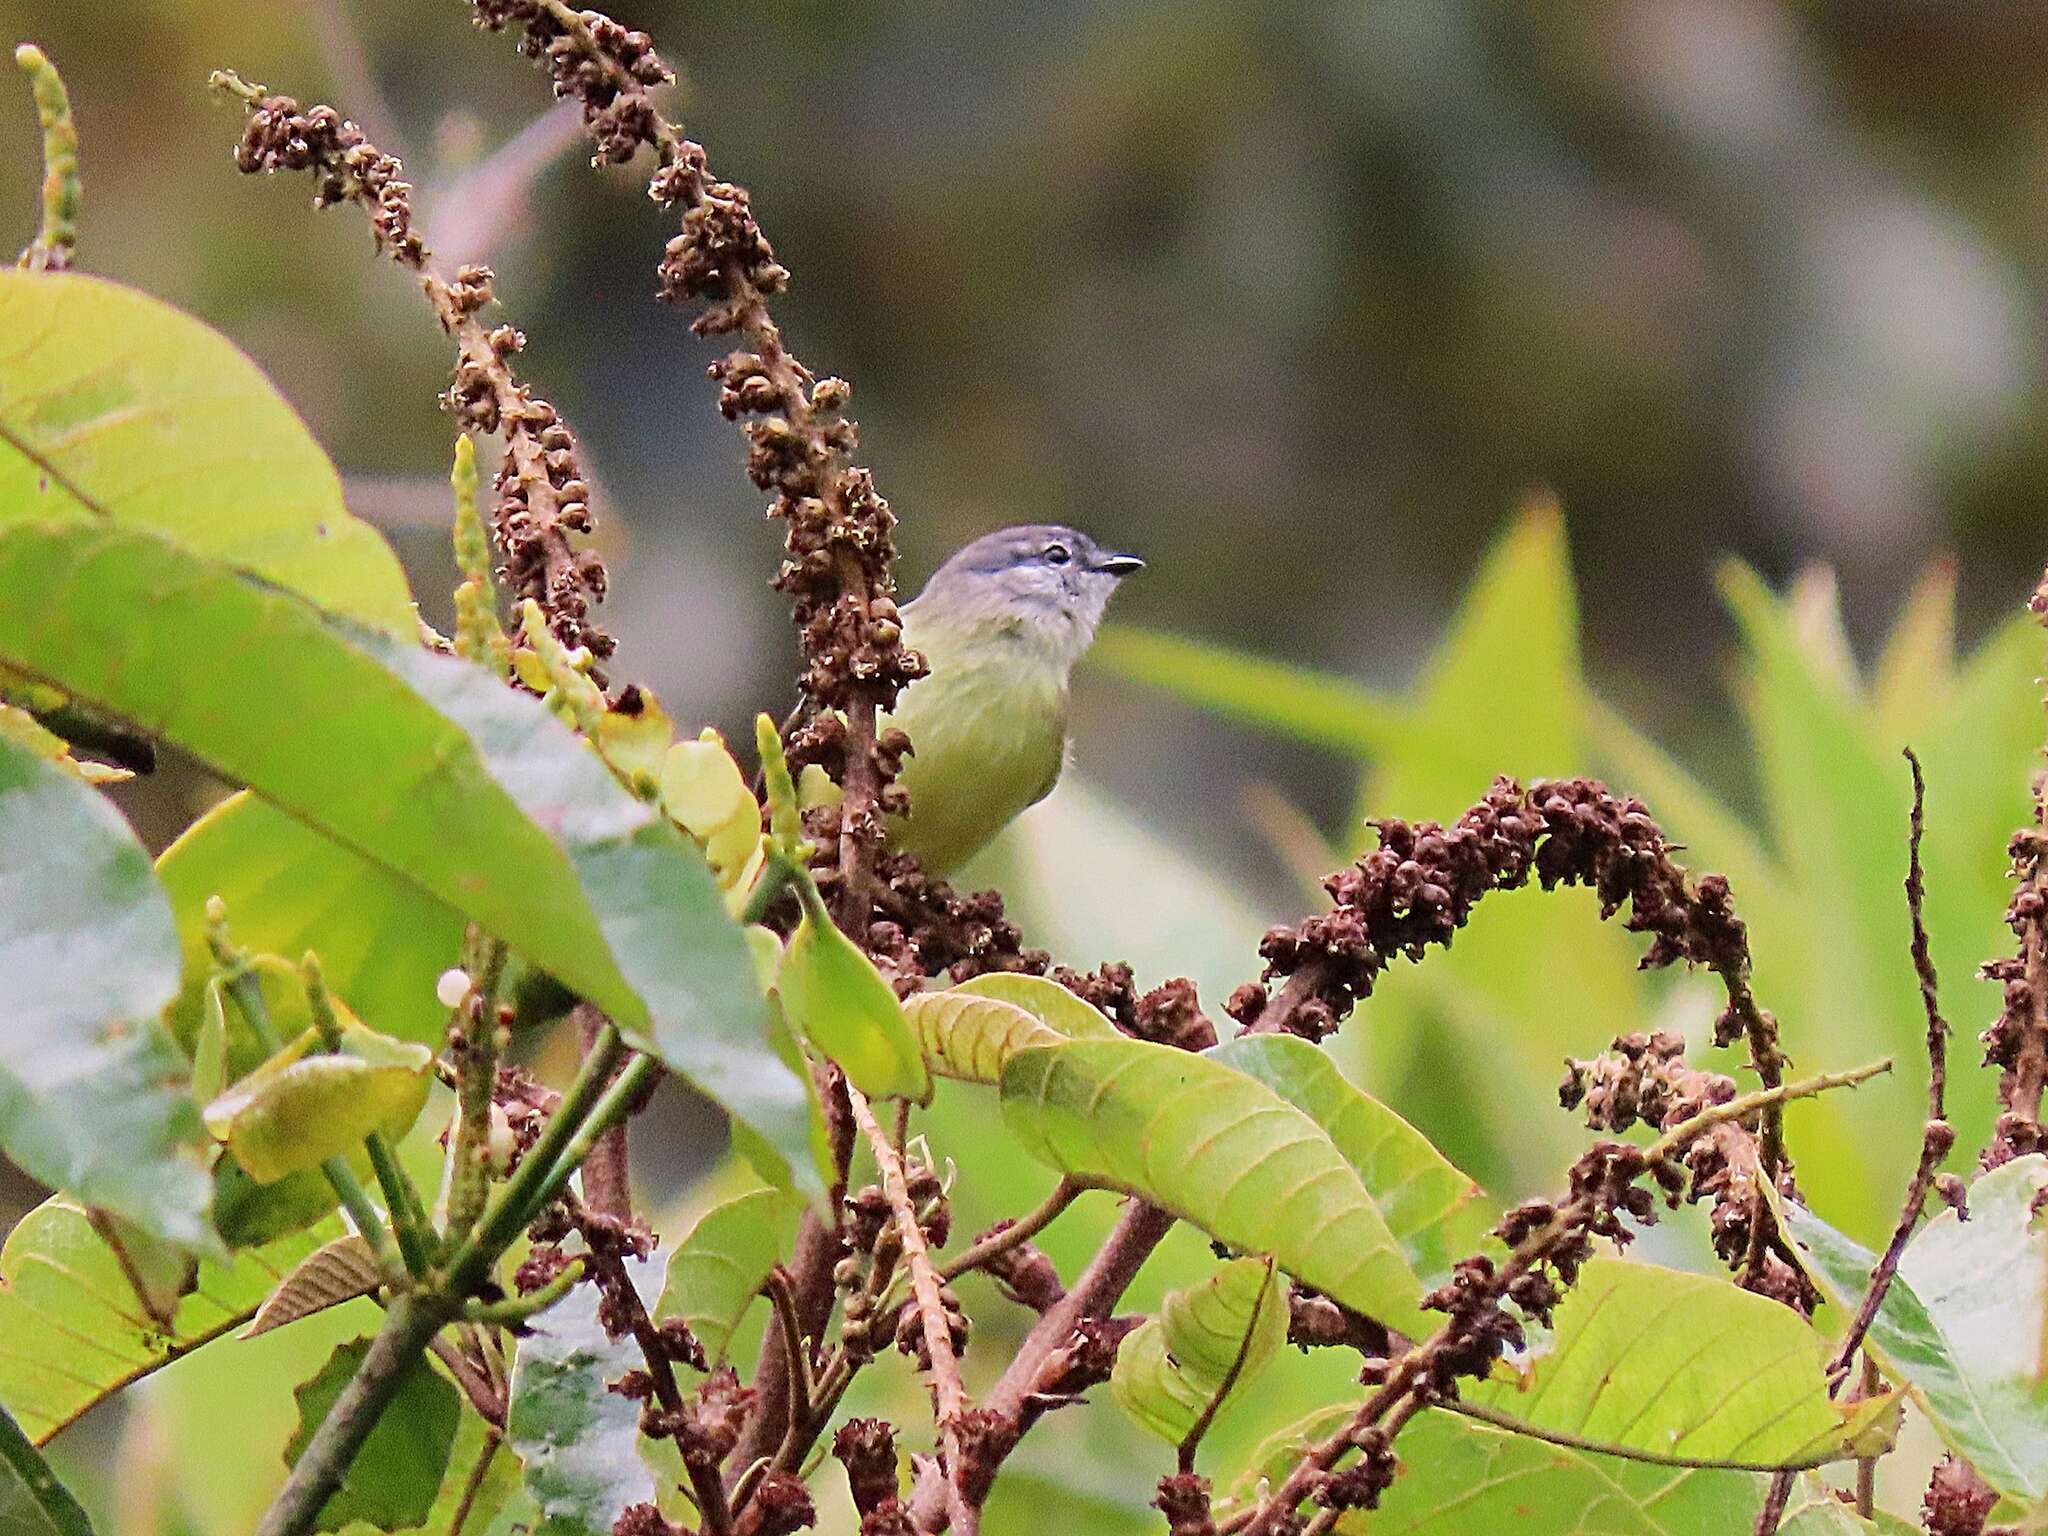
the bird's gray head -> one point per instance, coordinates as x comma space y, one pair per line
1039, 582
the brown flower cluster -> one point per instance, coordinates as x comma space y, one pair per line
1647, 1081
542, 495
2017, 1041
1419, 886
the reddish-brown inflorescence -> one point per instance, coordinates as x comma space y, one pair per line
543, 497
800, 442
2017, 1041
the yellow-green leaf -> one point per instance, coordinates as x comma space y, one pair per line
299, 1109
1172, 1367
1047, 1001
970, 1037
835, 997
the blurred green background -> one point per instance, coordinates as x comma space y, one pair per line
1302, 302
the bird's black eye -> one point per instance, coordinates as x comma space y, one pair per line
1057, 554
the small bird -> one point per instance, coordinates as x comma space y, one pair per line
1001, 625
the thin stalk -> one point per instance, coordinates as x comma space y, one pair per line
475, 1019
520, 1198
1022, 1230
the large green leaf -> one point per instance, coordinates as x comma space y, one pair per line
32, 1501
715, 1273
93, 1095
425, 764
1963, 1321
116, 408
1207, 1338
1218, 1149
382, 941
395, 1478
969, 1037
1432, 1209
72, 1331
579, 1441
1679, 1365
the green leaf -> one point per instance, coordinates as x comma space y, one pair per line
1316, 707
1962, 1322
1916, 668
1677, 1364
426, 765
331, 1274
577, 1439
299, 1109
715, 1273
94, 1097
1216, 1148
72, 1332
248, 1214
121, 410
833, 995
32, 1501
969, 1037
382, 941
1430, 1207
1047, 1001
1172, 1367
396, 1476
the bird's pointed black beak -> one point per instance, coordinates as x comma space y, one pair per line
1120, 565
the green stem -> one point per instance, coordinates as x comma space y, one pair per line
519, 1309
776, 874
476, 1077
408, 1326
608, 1111
515, 1204
57, 240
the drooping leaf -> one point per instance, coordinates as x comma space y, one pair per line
1045, 1000
72, 1332
1219, 1149
248, 1214
1173, 1366
833, 995
1432, 1209
331, 1274
715, 1273
1677, 1364
117, 409
970, 1037
396, 1476
304, 1106
381, 940
1962, 1322
94, 1097
426, 765
578, 1440
32, 1500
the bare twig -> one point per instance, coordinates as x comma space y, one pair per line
1009, 1235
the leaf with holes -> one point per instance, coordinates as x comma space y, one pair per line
715, 1273
1216, 1148
94, 1098
425, 764
118, 409
1680, 1365
1962, 1321
1209, 1340
336, 1272
72, 1332
578, 1440
395, 1478
1433, 1210
969, 1037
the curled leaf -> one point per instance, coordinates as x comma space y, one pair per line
1208, 1339
1047, 1001
340, 1271
835, 997
969, 1037
299, 1109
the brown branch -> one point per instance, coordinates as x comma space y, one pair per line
949, 1396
